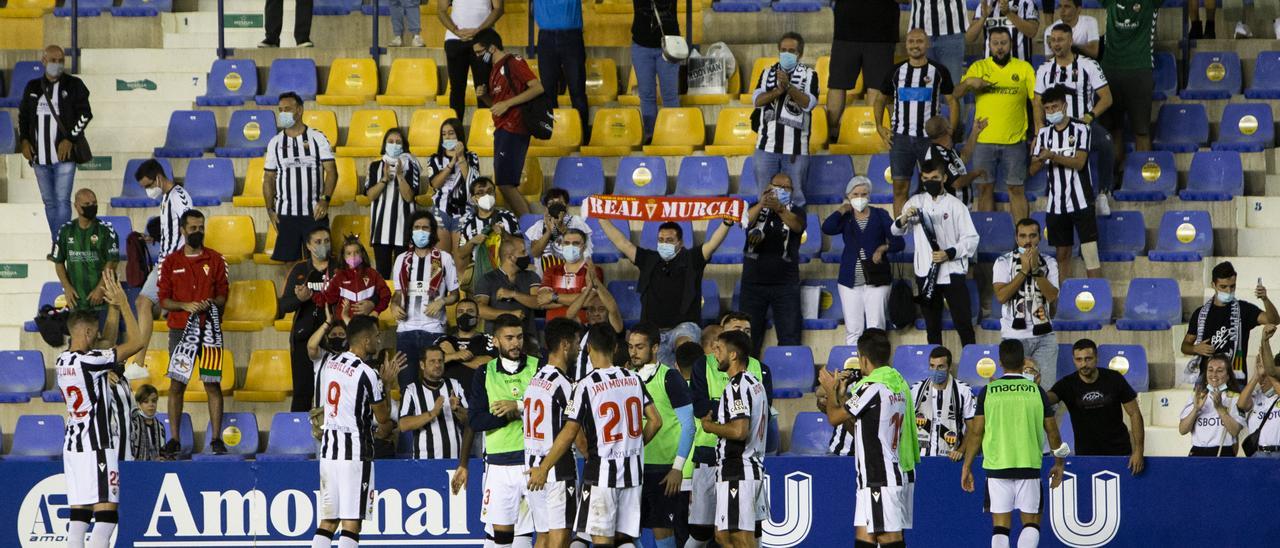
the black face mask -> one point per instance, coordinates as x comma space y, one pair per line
522, 263
934, 188
89, 212
337, 344
196, 241
467, 322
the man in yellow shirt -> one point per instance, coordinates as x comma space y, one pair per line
1003, 86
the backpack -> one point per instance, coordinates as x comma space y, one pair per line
902, 305
536, 114
138, 260
52, 324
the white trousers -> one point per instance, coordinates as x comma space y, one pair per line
864, 307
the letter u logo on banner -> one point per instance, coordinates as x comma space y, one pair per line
1064, 511
798, 518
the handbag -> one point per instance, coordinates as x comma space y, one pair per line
674, 47
1250, 443
80, 152
536, 114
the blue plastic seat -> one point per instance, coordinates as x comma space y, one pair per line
602, 249
710, 300
827, 178
830, 312
191, 134
1164, 76
747, 188
580, 176
384, 10
37, 438
1122, 236
290, 438
1215, 176
296, 75
624, 292
1129, 360
23, 72
1266, 77
1066, 364
1036, 185
811, 241
1246, 127
131, 193
247, 423
1151, 304
248, 133
1148, 177
641, 176
1083, 305
231, 82
335, 7
1213, 75
186, 438
912, 361
995, 233
211, 181
1184, 236
730, 251
971, 357
840, 354
703, 176
86, 8
948, 323
792, 368
992, 320
810, 434
1181, 127
8, 141
881, 179
21, 375
122, 226
736, 6
649, 234
796, 6
142, 8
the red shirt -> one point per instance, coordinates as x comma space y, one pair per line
500, 90
191, 279
568, 285
350, 285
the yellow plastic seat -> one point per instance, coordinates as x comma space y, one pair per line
424, 130
231, 235
566, 136
324, 121
677, 132
615, 7
733, 133
352, 82
365, 132
443, 98
616, 132
858, 133
251, 195
195, 389
251, 305
818, 133
27, 9
411, 82
157, 363
345, 190
344, 225
264, 258
823, 69
732, 88
285, 324
480, 138
531, 180
761, 64
386, 318
602, 82
269, 377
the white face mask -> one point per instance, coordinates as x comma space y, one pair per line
486, 202
154, 192
859, 204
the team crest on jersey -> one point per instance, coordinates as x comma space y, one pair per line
1071, 141
1016, 78
515, 391
93, 239
71, 240
920, 420
946, 216
206, 270
927, 80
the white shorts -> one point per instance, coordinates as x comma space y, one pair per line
555, 506
883, 509
702, 498
610, 511
505, 494
1006, 495
92, 476
346, 489
739, 505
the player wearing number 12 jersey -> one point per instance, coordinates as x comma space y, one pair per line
545, 403
739, 421
611, 407
886, 451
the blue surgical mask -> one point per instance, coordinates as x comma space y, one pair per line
1226, 297
666, 251
1054, 117
571, 253
788, 60
421, 238
284, 120
53, 70
394, 150
783, 195
938, 376
449, 144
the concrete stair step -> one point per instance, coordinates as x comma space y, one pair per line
145, 87
150, 61
1259, 242
139, 114
136, 143
1260, 212
1162, 441
1166, 407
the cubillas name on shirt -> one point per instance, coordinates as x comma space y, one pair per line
340, 367
614, 383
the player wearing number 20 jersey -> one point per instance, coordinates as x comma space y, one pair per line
90, 462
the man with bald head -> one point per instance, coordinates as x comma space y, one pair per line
52, 115
84, 250
511, 288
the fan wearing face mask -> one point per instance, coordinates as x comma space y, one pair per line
468, 347
481, 230
85, 249
547, 234
562, 282
391, 187
305, 280
512, 288
1223, 324
450, 172
785, 97
356, 288
1212, 416
864, 264
156, 182
771, 263
52, 116
426, 282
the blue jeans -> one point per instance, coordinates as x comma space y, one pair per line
55, 182
1012, 157
949, 52
767, 164
651, 71
412, 343
784, 299
1102, 157
907, 151
563, 60
403, 11
1043, 350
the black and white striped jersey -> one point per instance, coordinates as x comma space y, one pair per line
422, 279
454, 195
785, 130
389, 213
1083, 77
298, 165
472, 224
743, 398
1069, 190
878, 415
47, 111
609, 406
350, 388
545, 402
841, 444
1021, 44
174, 204
122, 407
917, 94
82, 378
939, 17
442, 437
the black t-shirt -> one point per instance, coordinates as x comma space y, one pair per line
1097, 412
497, 279
307, 316
1218, 330
480, 344
866, 20
663, 300
776, 259
644, 27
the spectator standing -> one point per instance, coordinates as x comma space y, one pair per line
391, 188
944, 22
193, 287
959, 179
842, 440
1259, 399
174, 203
450, 172
405, 13
945, 242
52, 116
1083, 36
651, 67
1128, 59
1062, 148
433, 409
1026, 284
511, 84
273, 23
1222, 325
944, 408
481, 229
865, 35
771, 263
356, 289
1212, 415
601, 309
510, 289
299, 179
917, 88
1209, 29
462, 20
546, 237
468, 347
1003, 85
1020, 18
670, 282
865, 273
562, 53
1095, 397
146, 433
86, 248
305, 281
426, 282
564, 281
785, 96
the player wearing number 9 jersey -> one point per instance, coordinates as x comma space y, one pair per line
545, 403
611, 407
740, 421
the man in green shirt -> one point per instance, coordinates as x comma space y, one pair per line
84, 249
1016, 409
1128, 61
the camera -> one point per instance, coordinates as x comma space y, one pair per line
556, 210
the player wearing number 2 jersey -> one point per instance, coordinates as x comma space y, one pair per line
89, 460
739, 421
611, 407
545, 403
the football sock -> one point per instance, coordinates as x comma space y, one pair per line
78, 527
104, 525
348, 539
322, 539
1030, 536
999, 537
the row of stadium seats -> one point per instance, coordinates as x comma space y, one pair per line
32, 9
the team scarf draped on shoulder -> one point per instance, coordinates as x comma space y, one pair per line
908, 445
